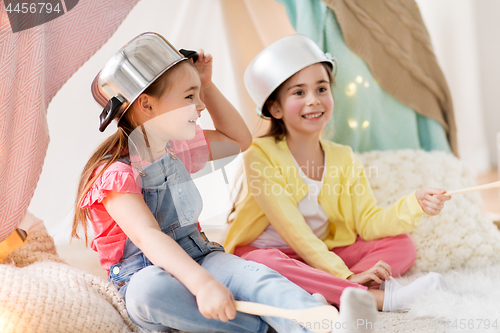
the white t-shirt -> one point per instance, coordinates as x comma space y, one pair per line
309, 207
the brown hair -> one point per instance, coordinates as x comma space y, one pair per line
277, 131
116, 146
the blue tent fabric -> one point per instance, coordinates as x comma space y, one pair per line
365, 116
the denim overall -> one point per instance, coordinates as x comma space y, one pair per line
175, 202
157, 301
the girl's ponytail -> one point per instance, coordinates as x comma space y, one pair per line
116, 146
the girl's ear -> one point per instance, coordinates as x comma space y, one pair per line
275, 109
144, 103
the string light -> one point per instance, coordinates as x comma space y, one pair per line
351, 89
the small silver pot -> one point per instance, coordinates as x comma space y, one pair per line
130, 71
279, 61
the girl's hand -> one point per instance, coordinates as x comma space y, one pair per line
215, 301
373, 276
204, 67
431, 200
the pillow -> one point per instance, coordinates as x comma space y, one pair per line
460, 236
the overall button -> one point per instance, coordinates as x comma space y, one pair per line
121, 284
170, 152
116, 270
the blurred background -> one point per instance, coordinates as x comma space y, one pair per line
465, 36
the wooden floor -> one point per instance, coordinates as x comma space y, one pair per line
491, 198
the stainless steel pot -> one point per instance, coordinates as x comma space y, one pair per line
130, 71
279, 61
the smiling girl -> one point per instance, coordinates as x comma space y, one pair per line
138, 194
309, 213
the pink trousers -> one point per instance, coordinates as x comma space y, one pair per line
399, 252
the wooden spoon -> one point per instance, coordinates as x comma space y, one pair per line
476, 188
320, 319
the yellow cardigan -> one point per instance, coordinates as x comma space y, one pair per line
274, 188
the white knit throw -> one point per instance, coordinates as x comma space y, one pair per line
460, 236
52, 297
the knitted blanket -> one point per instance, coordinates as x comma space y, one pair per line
391, 37
460, 236
41, 294
34, 64
460, 242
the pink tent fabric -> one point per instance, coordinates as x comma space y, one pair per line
34, 64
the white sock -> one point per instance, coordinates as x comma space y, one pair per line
398, 297
358, 312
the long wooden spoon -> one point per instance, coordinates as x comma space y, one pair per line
476, 188
320, 319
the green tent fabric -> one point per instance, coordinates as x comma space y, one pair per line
365, 116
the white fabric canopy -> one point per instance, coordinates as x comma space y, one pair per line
233, 31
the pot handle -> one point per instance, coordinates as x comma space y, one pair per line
109, 112
189, 54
